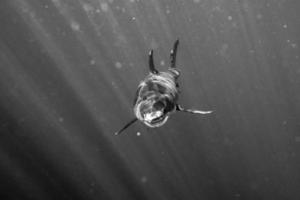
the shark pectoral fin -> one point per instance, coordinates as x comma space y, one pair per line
180, 108
126, 126
198, 111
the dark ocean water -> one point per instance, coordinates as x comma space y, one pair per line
68, 75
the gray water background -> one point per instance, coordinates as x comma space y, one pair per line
68, 75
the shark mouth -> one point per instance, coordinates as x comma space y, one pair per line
152, 111
155, 119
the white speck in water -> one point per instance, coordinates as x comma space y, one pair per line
284, 26
259, 16
133, 18
144, 179
229, 18
63, 33
61, 119
104, 7
237, 195
87, 7
259, 42
92, 62
21, 120
138, 134
114, 85
223, 50
75, 26
118, 65
162, 63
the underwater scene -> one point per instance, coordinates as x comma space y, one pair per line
149, 99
